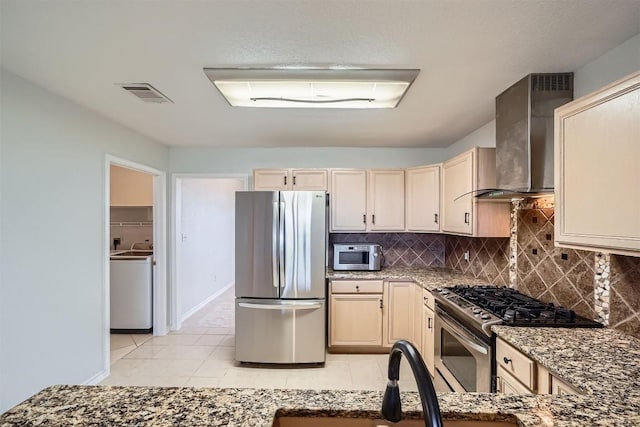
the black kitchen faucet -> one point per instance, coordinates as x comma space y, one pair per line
391, 406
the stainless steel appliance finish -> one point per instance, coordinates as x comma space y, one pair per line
524, 133
463, 358
280, 276
464, 348
357, 256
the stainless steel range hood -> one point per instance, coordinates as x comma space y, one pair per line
524, 134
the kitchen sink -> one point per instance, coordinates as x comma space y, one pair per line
316, 421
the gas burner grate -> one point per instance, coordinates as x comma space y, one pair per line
517, 309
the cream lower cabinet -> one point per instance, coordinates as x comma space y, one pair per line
398, 313
462, 212
597, 154
355, 313
428, 331
518, 374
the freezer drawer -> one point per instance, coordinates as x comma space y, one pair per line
278, 331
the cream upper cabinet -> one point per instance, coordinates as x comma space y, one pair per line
423, 198
290, 179
385, 200
348, 200
130, 187
398, 312
271, 179
355, 313
597, 170
310, 179
367, 200
462, 212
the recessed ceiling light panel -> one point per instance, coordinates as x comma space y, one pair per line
311, 88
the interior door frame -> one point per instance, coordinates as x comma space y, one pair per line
159, 248
175, 322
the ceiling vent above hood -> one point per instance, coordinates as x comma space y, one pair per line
524, 134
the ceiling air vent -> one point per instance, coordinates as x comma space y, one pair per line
145, 92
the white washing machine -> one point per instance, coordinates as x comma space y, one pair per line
131, 293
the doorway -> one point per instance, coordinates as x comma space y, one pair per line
149, 233
204, 241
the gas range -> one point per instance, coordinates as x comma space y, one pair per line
482, 306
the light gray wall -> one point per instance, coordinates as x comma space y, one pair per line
207, 249
52, 227
607, 68
244, 160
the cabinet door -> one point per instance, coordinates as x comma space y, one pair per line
597, 175
423, 198
355, 320
348, 200
560, 387
385, 200
457, 177
428, 338
398, 312
130, 187
310, 179
507, 384
271, 179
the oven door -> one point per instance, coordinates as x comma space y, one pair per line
463, 358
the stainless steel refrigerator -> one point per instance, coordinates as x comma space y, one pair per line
280, 276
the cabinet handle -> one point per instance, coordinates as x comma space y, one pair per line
429, 323
364, 218
285, 180
357, 288
380, 304
466, 217
506, 360
373, 218
435, 218
294, 180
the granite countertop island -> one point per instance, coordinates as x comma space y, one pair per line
604, 364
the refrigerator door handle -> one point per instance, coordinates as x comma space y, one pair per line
274, 246
293, 306
281, 243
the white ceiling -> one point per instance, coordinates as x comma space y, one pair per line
468, 52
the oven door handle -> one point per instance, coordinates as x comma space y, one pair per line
459, 333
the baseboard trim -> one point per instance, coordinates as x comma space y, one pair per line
206, 301
97, 378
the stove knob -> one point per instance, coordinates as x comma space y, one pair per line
485, 316
476, 310
439, 289
444, 292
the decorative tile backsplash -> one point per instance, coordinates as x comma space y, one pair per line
599, 286
400, 249
558, 275
625, 294
488, 258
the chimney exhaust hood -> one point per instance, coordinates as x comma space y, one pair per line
524, 135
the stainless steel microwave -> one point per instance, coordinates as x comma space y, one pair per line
358, 256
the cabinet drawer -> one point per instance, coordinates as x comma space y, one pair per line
427, 299
517, 364
356, 286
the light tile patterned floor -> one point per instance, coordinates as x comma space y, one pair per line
201, 354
